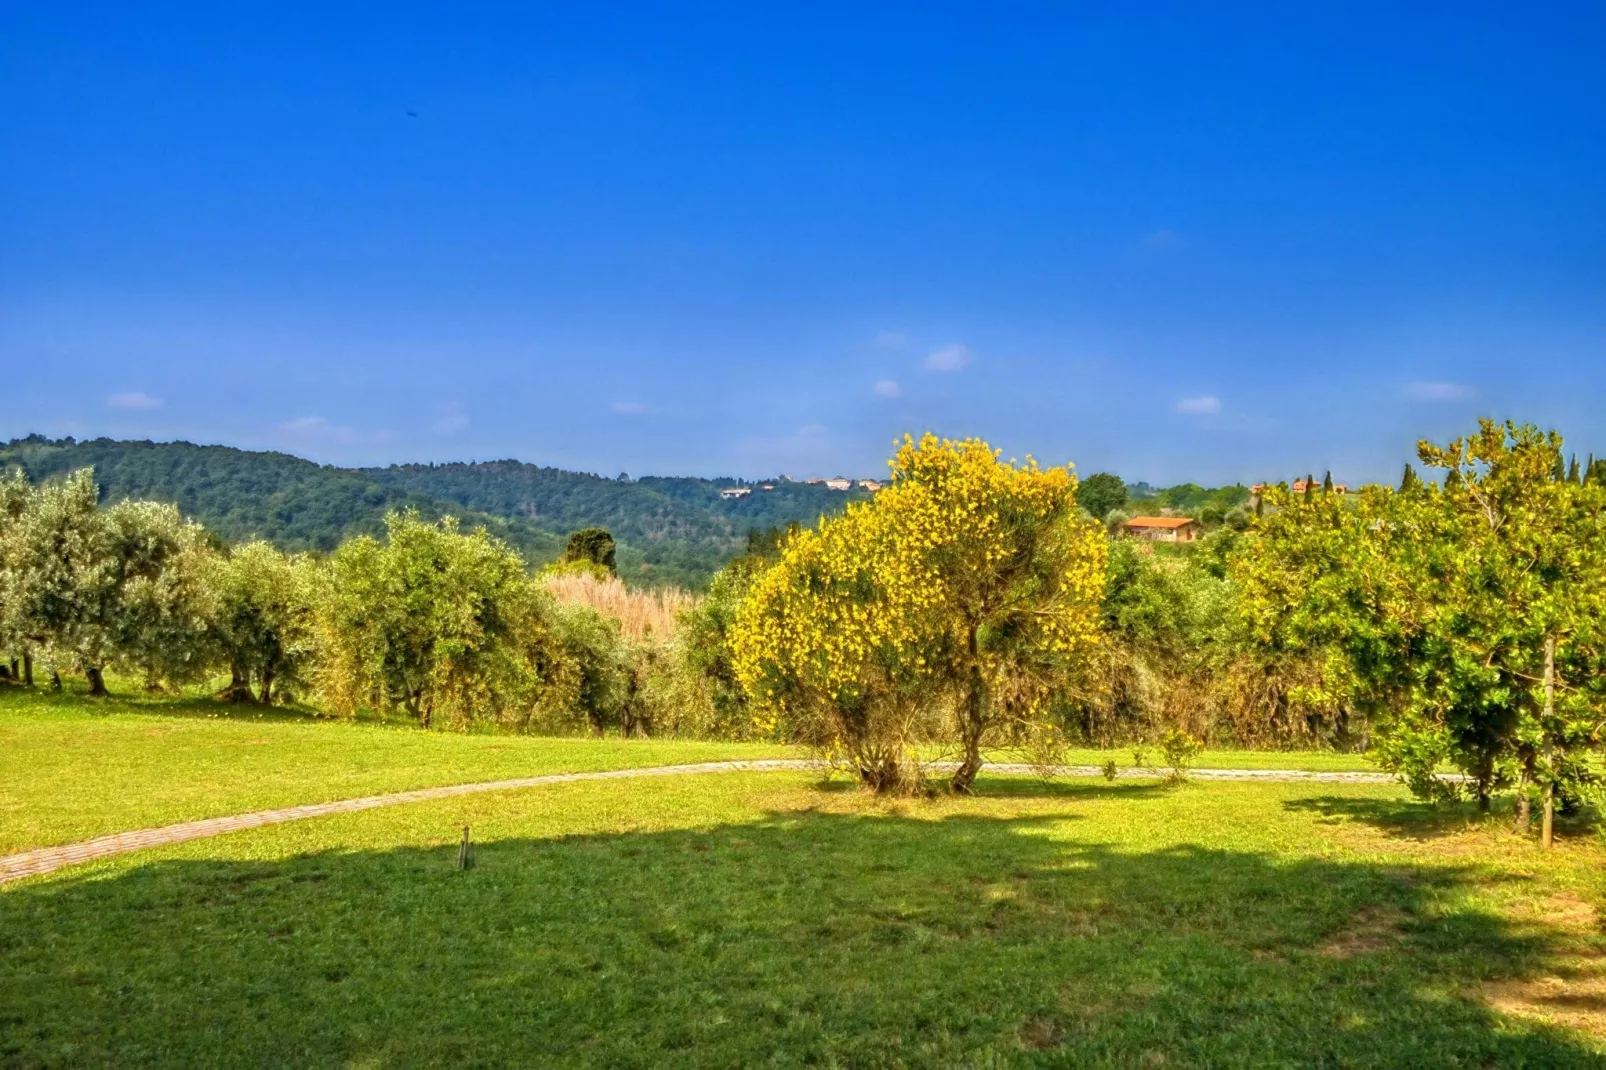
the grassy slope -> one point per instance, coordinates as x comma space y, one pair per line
71, 769
761, 920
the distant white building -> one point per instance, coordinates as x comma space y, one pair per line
732, 493
870, 485
839, 484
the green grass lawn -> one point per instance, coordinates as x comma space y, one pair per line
71, 768
765, 919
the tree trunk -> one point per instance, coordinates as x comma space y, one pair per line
1524, 807
27, 669
885, 773
1546, 829
971, 725
266, 698
55, 679
1485, 781
239, 689
97, 682
14, 674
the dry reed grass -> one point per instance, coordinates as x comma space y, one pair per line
641, 614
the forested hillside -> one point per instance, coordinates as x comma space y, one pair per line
670, 530
238, 494
664, 524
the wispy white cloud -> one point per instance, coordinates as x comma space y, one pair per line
134, 399
318, 429
451, 419
948, 359
891, 339
1438, 390
887, 388
629, 408
1206, 405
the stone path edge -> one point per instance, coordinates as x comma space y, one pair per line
49, 859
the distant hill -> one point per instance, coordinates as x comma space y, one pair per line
664, 525
670, 530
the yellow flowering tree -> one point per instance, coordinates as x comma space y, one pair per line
958, 600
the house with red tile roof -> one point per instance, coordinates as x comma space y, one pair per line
1161, 528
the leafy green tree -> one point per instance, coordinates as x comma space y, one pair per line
1509, 561
264, 618
602, 682
1147, 619
161, 606
1101, 493
15, 626
67, 577
91, 587
1464, 617
434, 622
593, 545
705, 642
1305, 586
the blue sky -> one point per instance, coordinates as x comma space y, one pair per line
1207, 242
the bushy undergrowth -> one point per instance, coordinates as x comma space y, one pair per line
449, 628
970, 605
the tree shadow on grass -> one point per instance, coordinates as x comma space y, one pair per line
1405, 818
1009, 786
804, 938
1415, 819
124, 700
1021, 786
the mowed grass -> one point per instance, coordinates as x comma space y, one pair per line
72, 768
766, 919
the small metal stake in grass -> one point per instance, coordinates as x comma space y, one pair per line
465, 852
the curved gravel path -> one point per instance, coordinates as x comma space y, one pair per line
49, 859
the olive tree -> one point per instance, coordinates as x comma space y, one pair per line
432, 621
263, 616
